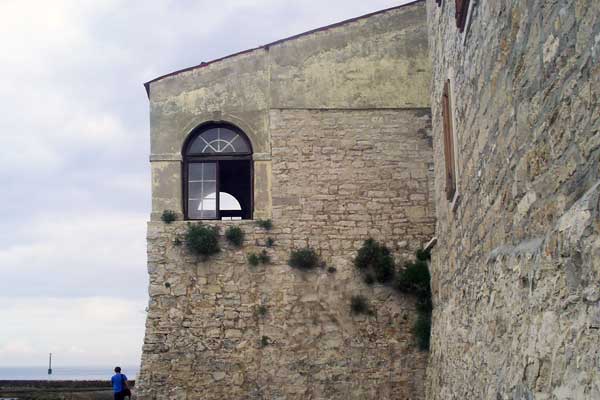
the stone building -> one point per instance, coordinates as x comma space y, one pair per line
516, 270
331, 135
327, 134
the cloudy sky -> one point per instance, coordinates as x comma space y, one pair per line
74, 146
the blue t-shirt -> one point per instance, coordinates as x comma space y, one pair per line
117, 382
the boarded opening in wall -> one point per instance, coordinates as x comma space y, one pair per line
448, 142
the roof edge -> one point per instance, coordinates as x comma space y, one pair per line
266, 46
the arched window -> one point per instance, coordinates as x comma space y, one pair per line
217, 171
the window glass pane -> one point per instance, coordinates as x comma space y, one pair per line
239, 145
195, 172
202, 144
208, 204
208, 190
198, 172
195, 190
193, 209
209, 172
208, 214
226, 134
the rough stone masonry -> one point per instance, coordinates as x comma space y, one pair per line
516, 271
339, 123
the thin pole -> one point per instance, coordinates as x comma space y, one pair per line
50, 364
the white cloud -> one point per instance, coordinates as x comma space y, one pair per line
98, 253
84, 331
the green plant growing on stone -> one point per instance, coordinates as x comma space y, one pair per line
235, 236
167, 285
423, 254
359, 305
264, 341
266, 224
375, 259
202, 240
177, 241
168, 216
369, 279
261, 311
270, 241
264, 257
253, 259
415, 279
422, 331
304, 259
332, 270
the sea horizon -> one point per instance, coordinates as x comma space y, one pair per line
61, 373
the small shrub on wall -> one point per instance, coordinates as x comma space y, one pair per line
262, 258
253, 259
235, 236
202, 240
375, 261
304, 259
415, 279
261, 311
359, 305
264, 341
422, 331
168, 216
266, 224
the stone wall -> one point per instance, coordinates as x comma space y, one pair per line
339, 177
516, 271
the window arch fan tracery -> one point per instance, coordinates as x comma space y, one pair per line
219, 140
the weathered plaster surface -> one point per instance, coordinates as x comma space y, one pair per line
378, 62
516, 271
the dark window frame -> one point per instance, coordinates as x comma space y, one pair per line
213, 158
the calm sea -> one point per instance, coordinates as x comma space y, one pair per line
64, 373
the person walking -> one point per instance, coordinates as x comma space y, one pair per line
119, 384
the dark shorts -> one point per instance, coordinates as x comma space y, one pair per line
119, 395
